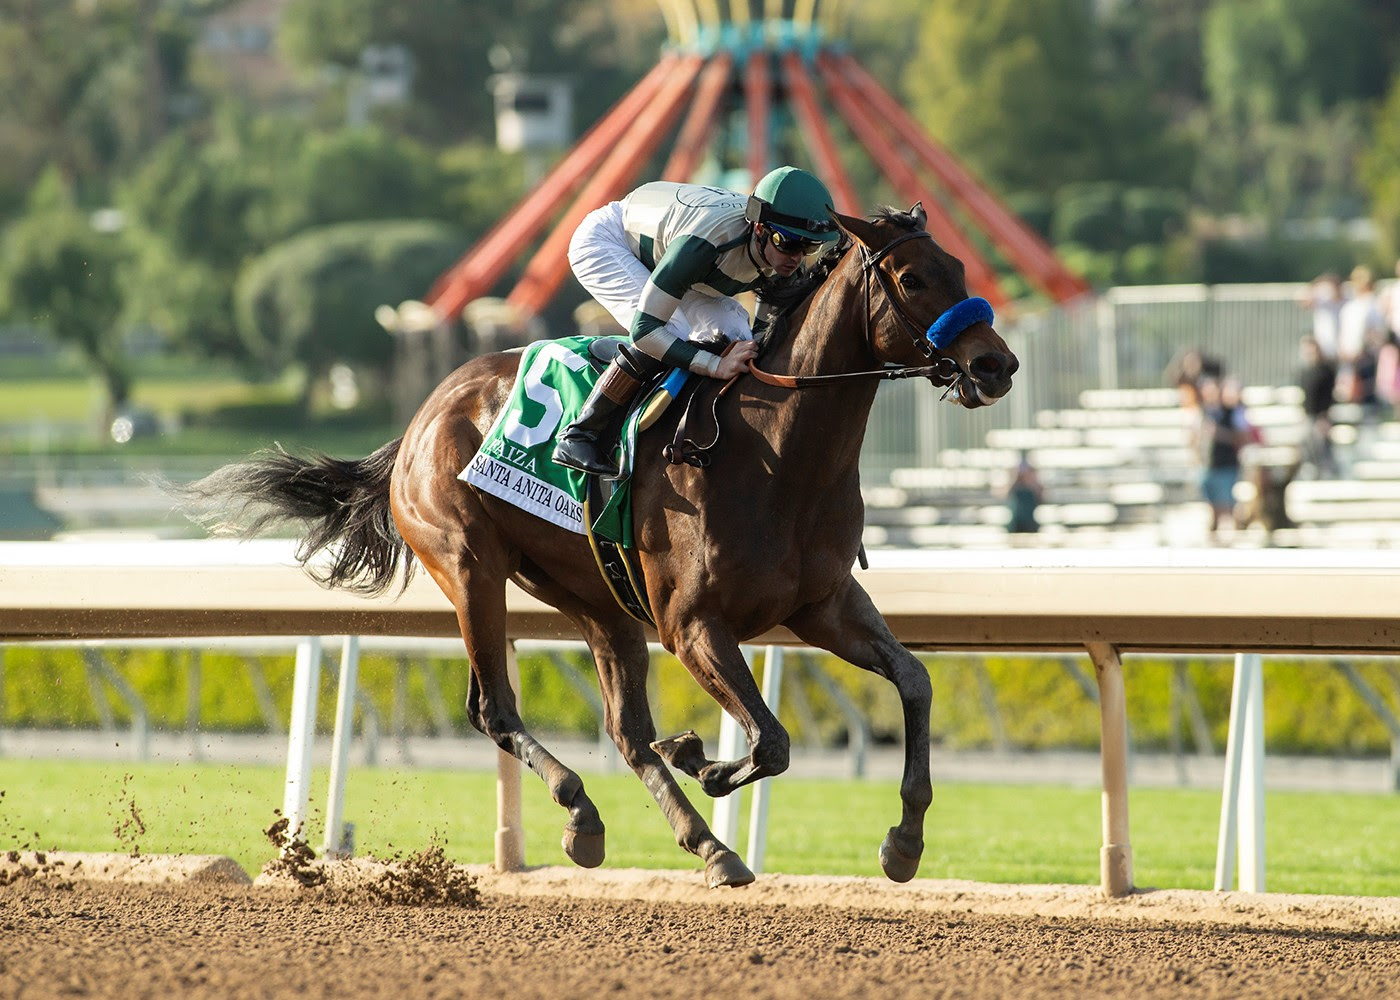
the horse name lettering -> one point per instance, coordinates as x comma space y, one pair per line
514, 454
518, 457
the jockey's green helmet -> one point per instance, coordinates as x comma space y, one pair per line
797, 202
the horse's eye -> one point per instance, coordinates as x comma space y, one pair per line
910, 282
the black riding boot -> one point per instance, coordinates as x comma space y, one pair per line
587, 444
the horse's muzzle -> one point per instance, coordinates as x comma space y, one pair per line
986, 379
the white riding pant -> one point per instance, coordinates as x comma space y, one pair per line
606, 266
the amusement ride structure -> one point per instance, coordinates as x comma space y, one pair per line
741, 79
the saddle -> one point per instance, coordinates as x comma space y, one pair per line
602, 350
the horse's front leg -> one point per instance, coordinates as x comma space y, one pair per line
848, 625
711, 654
623, 662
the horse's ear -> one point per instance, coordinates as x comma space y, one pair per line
920, 216
859, 229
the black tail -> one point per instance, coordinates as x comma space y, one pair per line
343, 506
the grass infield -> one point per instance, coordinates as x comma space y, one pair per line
1338, 843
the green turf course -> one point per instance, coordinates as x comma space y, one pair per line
1317, 843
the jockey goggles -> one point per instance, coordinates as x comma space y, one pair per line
787, 242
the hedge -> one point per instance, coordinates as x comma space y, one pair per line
1310, 708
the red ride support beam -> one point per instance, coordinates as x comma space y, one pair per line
482, 266
981, 278
818, 137
699, 127
550, 264
757, 97
1018, 241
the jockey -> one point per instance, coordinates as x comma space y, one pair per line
666, 262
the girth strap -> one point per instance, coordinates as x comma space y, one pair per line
621, 569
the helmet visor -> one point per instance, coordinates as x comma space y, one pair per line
786, 241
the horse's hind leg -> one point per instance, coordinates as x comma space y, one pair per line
849, 625
622, 659
476, 586
492, 709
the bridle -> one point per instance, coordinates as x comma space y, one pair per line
943, 372
941, 332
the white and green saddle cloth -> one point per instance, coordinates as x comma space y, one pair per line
514, 463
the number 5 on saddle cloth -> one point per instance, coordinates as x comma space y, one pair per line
514, 463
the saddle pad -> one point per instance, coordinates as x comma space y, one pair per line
514, 463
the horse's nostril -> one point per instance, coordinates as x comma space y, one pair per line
992, 367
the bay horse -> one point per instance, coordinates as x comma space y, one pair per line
767, 535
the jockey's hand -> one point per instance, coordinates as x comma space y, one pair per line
736, 359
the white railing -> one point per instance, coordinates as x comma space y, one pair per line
1101, 603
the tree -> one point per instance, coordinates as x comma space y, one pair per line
199, 210
190, 212
1155, 47
1276, 60
356, 174
84, 86
1381, 172
311, 300
1036, 94
452, 43
59, 273
1286, 82
1008, 85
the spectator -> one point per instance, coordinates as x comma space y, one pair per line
1222, 432
1324, 298
1317, 377
1023, 496
1268, 508
1360, 332
1387, 383
1191, 366
1390, 304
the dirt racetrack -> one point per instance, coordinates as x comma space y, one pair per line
556, 932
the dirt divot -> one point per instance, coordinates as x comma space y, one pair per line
61, 866
426, 878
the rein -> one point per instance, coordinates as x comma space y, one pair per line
938, 374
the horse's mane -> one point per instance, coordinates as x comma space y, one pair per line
785, 294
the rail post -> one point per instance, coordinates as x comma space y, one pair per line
306, 683
510, 832
337, 843
1116, 855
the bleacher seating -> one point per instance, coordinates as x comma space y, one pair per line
1120, 470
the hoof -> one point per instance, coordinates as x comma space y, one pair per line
583, 849
685, 752
727, 869
897, 866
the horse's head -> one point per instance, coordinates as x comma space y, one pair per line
918, 307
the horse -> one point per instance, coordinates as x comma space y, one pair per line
766, 535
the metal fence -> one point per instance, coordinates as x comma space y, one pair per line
1125, 339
